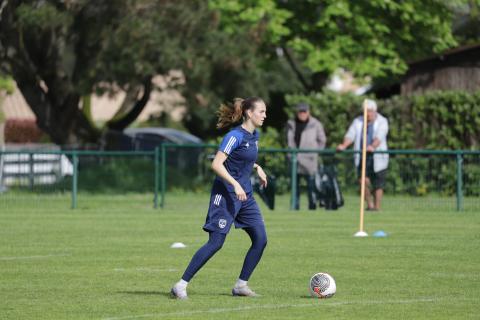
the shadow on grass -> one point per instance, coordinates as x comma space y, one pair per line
223, 294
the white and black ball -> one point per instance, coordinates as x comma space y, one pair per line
322, 285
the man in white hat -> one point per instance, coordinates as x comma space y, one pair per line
377, 163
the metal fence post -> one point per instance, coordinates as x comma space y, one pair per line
157, 169
74, 180
163, 175
293, 199
31, 173
459, 181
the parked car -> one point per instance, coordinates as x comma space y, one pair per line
147, 139
150, 138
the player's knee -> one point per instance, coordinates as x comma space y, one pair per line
216, 246
260, 243
216, 242
264, 243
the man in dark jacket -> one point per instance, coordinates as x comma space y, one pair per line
306, 132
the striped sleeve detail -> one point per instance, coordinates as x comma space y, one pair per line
230, 142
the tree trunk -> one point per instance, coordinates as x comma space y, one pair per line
64, 123
296, 69
36, 62
120, 122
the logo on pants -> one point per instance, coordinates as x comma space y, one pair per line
222, 223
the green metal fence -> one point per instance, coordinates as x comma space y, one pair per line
24, 174
445, 174
421, 173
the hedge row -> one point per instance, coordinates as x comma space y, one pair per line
437, 120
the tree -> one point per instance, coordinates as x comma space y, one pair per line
60, 52
367, 37
232, 65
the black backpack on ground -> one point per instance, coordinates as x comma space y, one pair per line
328, 190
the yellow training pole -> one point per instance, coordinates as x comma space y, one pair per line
361, 232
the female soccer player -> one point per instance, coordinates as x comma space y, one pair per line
231, 199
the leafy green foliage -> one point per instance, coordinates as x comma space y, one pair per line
373, 38
6, 84
436, 120
369, 38
275, 164
334, 110
43, 17
264, 17
116, 174
225, 49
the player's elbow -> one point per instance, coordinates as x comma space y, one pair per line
215, 165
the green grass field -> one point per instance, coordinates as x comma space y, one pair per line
111, 259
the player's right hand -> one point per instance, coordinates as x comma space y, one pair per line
241, 195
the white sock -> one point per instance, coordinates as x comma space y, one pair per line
182, 283
240, 283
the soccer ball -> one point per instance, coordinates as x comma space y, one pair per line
322, 286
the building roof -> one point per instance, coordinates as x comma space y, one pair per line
466, 49
456, 57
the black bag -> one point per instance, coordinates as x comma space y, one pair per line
266, 194
328, 190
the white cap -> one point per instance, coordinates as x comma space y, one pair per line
371, 105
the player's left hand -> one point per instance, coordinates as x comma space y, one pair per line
262, 176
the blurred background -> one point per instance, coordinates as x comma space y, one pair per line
130, 75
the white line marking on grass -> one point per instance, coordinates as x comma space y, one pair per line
156, 270
145, 270
33, 257
454, 275
272, 306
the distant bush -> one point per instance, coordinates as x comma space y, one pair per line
443, 120
22, 131
447, 120
116, 174
275, 164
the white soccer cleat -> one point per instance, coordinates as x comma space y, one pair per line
243, 291
179, 292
